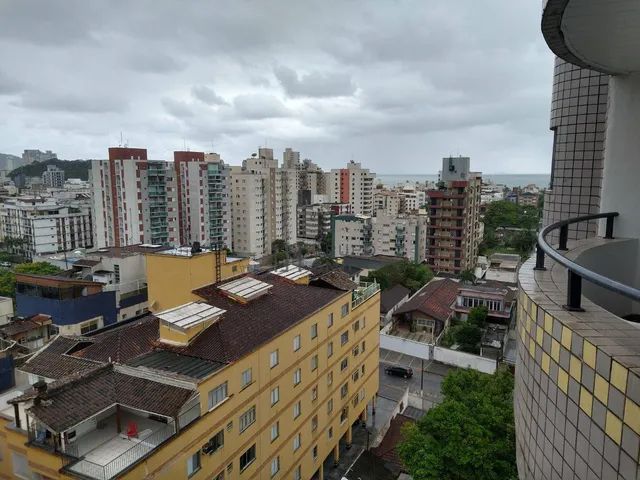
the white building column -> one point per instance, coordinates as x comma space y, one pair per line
620, 184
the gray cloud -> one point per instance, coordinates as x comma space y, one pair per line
395, 84
314, 84
207, 95
259, 106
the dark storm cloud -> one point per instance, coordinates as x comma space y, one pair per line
379, 81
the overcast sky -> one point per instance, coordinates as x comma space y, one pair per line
396, 85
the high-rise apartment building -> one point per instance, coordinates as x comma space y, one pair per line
577, 383
137, 200
353, 185
44, 226
578, 122
53, 177
264, 376
263, 204
454, 218
30, 156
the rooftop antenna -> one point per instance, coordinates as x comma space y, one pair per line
120, 144
184, 144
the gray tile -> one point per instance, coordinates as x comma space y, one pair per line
603, 364
598, 413
616, 401
597, 437
574, 390
630, 441
564, 358
611, 452
628, 467
633, 387
582, 446
576, 344
588, 377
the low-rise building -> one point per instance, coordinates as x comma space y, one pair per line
400, 235
31, 332
503, 267
43, 225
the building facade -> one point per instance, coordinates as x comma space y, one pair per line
577, 385
245, 385
455, 232
353, 185
400, 235
263, 204
30, 156
53, 177
578, 122
38, 226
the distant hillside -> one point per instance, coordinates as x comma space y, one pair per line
6, 158
72, 168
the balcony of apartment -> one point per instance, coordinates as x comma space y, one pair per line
578, 335
363, 292
103, 446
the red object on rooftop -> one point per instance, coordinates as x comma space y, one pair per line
132, 429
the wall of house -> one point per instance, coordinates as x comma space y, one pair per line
71, 311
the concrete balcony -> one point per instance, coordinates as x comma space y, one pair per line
577, 395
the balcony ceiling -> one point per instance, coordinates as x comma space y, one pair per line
603, 35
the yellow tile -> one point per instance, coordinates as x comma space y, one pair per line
548, 323
545, 363
555, 350
619, 376
533, 310
632, 415
614, 427
528, 324
523, 336
539, 333
589, 354
601, 389
532, 347
566, 338
575, 367
586, 400
563, 380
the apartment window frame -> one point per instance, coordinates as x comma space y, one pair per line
248, 457
297, 442
297, 377
275, 466
314, 331
329, 349
194, 464
344, 310
246, 378
247, 419
297, 343
274, 359
314, 363
330, 320
213, 395
275, 395
297, 409
274, 432
344, 338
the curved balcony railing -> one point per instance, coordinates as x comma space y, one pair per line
576, 272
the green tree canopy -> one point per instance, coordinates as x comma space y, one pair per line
507, 214
469, 436
8, 277
412, 275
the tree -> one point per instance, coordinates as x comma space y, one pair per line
326, 243
412, 275
470, 435
467, 276
8, 278
278, 245
523, 242
478, 316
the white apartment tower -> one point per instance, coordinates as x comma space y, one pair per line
263, 204
353, 185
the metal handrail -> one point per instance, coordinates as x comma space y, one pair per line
577, 272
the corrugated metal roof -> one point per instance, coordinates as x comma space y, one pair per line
177, 363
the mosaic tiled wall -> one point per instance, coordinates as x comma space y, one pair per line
578, 111
577, 408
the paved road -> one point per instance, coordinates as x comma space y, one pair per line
433, 372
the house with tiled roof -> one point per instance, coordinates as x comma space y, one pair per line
218, 387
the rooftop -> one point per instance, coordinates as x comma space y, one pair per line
390, 297
434, 299
190, 314
127, 251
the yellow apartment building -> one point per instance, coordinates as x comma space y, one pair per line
178, 271
261, 377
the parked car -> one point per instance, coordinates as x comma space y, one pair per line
404, 372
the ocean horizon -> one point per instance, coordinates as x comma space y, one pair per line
510, 180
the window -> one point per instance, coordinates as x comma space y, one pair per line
216, 442
330, 432
297, 409
296, 343
275, 466
314, 331
314, 393
329, 349
330, 406
220, 476
314, 423
20, 465
344, 364
362, 369
297, 442
89, 326
217, 395
297, 377
248, 457
247, 418
363, 346
344, 310
355, 350
344, 390
330, 320
344, 414
246, 378
275, 396
344, 338
275, 431
193, 463
329, 378
297, 474
356, 325
314, 362
314, 452
355, 375
273, 359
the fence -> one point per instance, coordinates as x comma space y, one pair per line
427, 351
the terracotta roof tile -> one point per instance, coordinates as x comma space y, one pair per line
434, 299
390, 297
